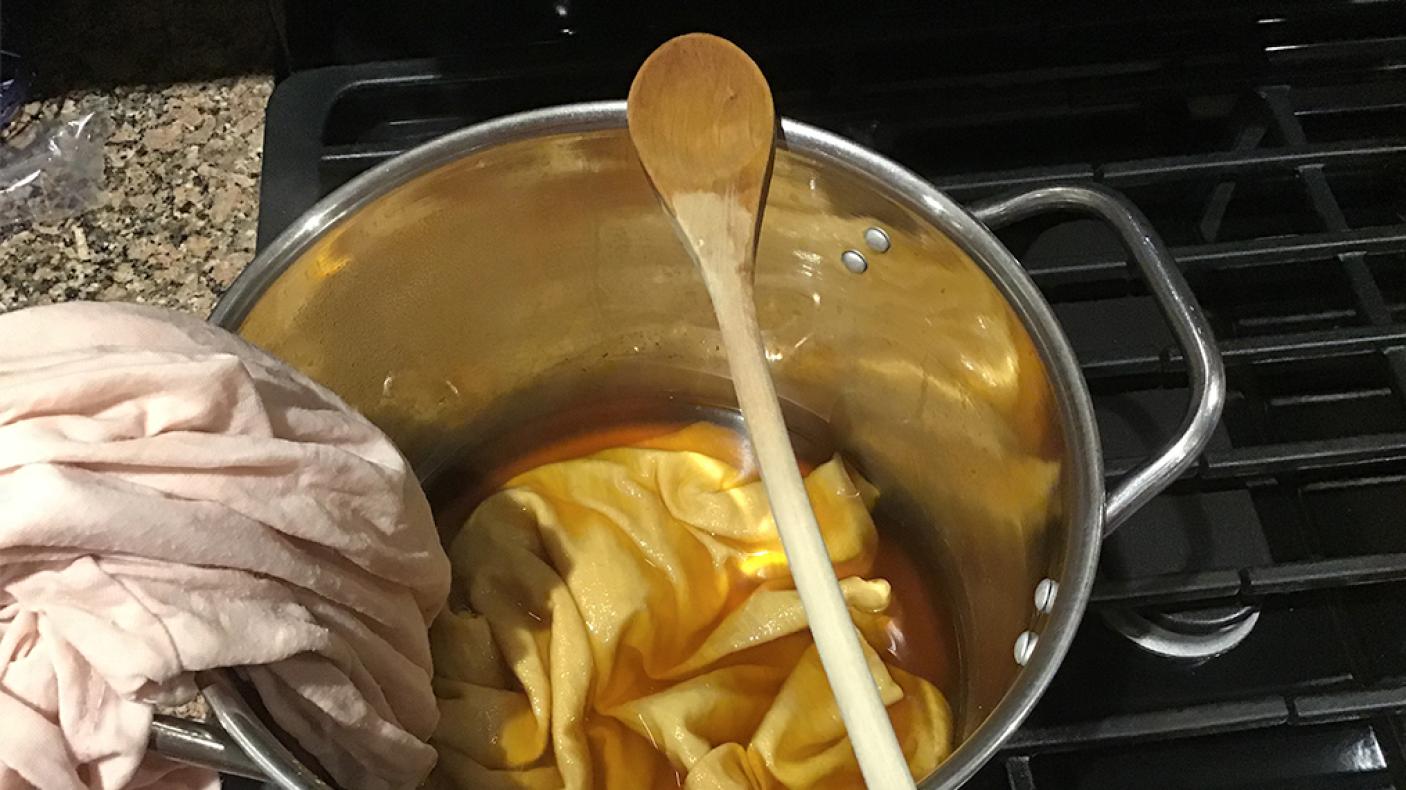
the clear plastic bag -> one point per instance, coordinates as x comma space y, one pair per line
55, 172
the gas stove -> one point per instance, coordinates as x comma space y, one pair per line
1248, 629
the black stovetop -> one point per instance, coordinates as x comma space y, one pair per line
1266, 143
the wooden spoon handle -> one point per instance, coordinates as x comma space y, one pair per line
836, 639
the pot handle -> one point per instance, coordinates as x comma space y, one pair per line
1205, 369
240, 744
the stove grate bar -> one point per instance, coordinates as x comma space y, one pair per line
1227, 256
1207, 719
1248, 585
1240, 352
1018, 774
1328, 707
1307, 709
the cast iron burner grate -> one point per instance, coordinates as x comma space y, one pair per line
1268, 147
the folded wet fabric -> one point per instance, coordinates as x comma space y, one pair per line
628, 620
173, 500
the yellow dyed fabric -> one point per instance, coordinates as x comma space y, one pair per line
626, 620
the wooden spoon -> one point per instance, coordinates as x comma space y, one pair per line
702, 121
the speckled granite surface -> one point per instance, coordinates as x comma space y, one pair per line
177, 223
185, 85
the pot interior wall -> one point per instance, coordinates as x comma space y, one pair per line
507, 285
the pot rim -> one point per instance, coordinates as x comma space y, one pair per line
1083, 472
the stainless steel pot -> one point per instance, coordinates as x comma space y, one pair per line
491, 277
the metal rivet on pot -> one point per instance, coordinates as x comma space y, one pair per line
877, 239
1045, 593
1025, 646
854, 260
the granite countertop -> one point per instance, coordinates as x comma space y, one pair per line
183, 87
177, 222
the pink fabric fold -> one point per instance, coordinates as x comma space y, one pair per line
173, 500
